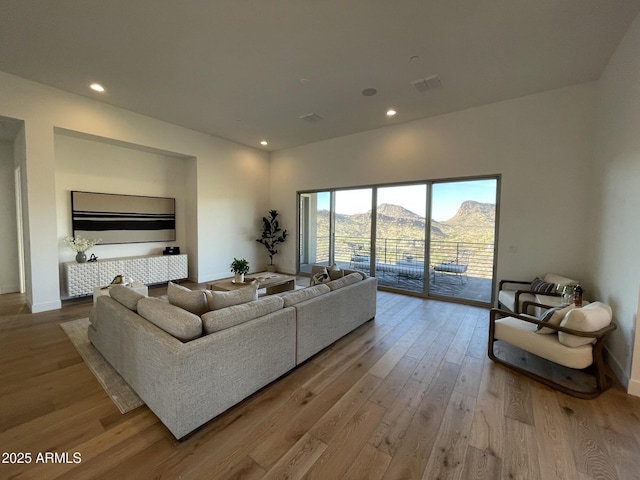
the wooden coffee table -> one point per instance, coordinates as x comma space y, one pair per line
273, 282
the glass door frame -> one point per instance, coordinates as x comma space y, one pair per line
426, 293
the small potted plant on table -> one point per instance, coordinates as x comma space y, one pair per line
239, 268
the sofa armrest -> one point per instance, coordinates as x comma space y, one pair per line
528, 303
530, 292
516, 282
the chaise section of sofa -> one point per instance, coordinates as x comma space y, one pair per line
188, 383
327, 317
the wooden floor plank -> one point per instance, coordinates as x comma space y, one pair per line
479, 465
370, 464
521, 454
448, 453
551, 436
590, 452
342, 452
412, 455
487, 430
298, 459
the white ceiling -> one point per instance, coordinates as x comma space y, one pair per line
233, 68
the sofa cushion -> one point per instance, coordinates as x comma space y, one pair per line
344, 281
174, 320
194, 301
589, 318
322, 276
217, 320
521, 334
541, 286
554, 316
218, 300
126, 296
305, 294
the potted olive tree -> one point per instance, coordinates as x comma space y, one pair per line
239, 268
272, 235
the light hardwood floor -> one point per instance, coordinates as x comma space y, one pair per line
410, 395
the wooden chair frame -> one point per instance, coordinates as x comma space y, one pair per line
598, 365
516, 302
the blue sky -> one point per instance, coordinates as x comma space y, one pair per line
447, 197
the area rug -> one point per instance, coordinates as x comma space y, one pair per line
118, 390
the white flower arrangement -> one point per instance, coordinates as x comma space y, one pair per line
80, 244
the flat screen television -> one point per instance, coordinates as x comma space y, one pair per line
118, 218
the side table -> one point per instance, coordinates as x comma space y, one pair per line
137, 286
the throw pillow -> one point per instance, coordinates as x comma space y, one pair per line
553, 316
589, 318
321, 277
541, 286
126, 296
193, 301
218, 300
298, 296
344, 281
174, 320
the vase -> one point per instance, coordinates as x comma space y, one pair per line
81, 257
238, 278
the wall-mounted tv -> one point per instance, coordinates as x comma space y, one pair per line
123, 218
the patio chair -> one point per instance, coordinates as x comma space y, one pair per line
457, 267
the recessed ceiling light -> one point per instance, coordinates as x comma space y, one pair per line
391, 112
264, 142
369, 92
96, 87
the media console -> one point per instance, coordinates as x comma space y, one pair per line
81, 278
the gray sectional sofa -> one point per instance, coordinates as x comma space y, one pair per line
189, 363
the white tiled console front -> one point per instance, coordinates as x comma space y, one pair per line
81, 278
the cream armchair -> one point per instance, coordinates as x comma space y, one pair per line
568, 336
513, 293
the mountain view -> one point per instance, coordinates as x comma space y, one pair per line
466, 237
473, 223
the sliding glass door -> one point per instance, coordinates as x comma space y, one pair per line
430, 238
400, 236
352, 226
462, 239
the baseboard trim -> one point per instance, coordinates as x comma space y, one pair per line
45, 306
9, 289
617, 369
634, 388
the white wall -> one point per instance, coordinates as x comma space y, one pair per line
231, 181
540, 144
9, 274
93, 166
616, 227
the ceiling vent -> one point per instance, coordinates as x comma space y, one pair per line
311, 117
429, 83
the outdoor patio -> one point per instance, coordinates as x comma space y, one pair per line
469, 288
441, 284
